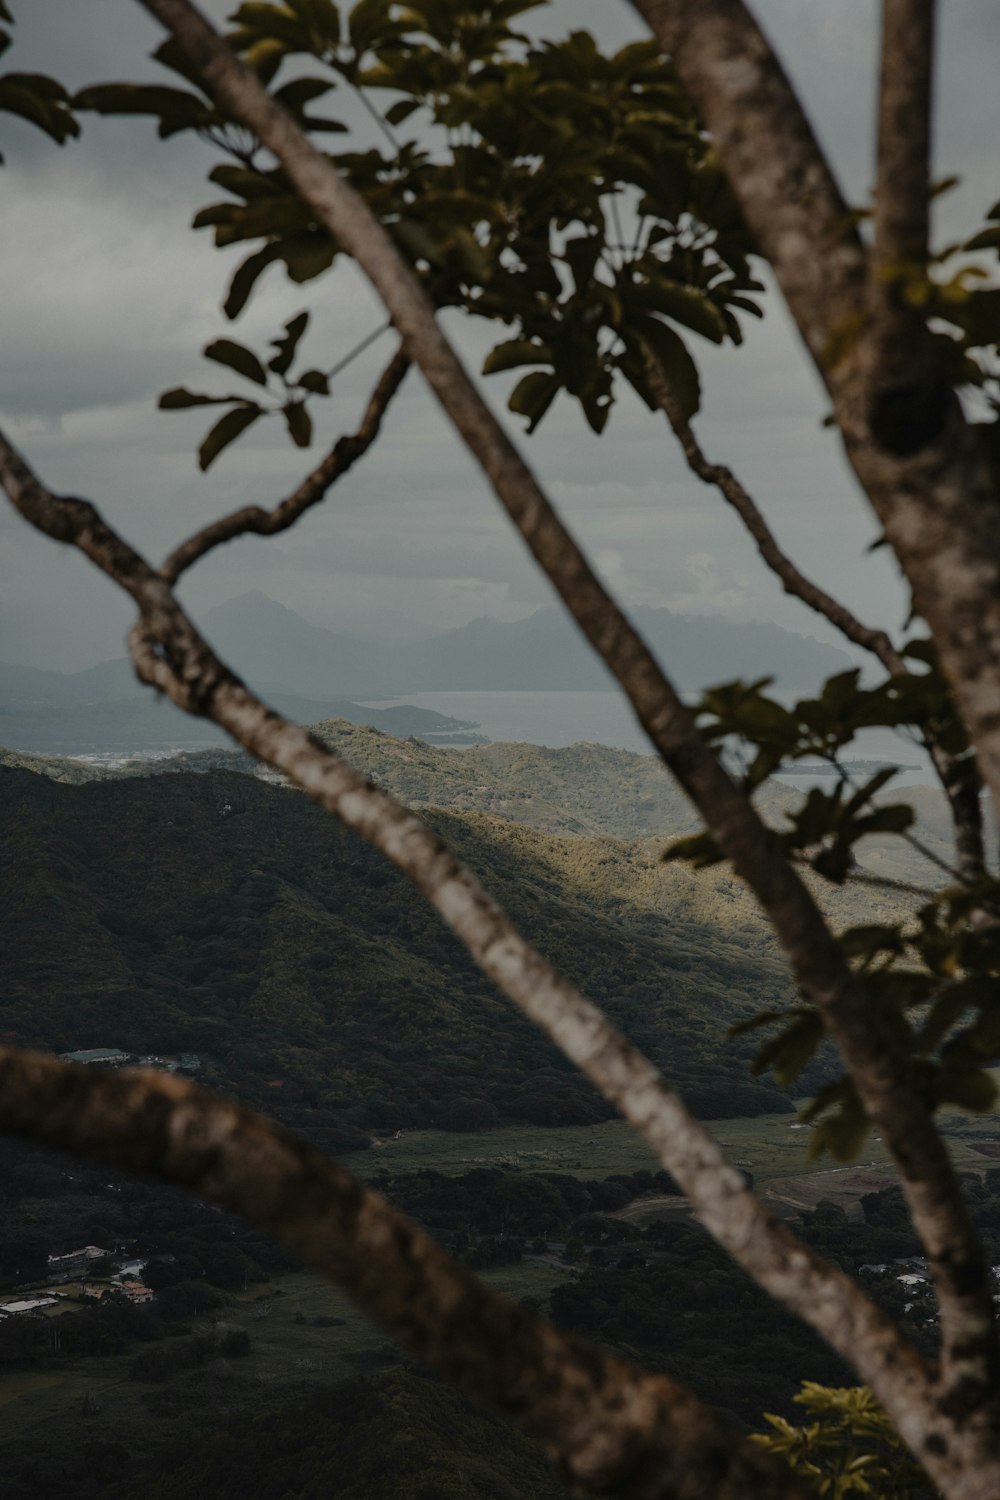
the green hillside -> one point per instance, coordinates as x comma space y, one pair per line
584, 788
219, 915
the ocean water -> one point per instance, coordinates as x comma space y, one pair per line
554, 719
606, 718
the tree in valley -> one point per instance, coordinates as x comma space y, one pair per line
604, 207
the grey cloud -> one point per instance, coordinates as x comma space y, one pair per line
108, 297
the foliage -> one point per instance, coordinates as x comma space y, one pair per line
289, 399
34, 96
849, 1448
933, 970
284, 952
516, 177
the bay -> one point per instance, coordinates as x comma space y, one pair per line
558, 719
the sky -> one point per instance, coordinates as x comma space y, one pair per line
108, 297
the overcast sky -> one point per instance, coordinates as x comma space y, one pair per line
108, 296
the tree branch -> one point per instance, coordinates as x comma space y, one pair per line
900, 347
963, 798
890, 1095
170, 654
342, 456
605, 1423
918, 460
792, 579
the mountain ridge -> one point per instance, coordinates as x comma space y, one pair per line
310, 673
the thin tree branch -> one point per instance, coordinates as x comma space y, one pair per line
253, 518
606, 1424
963, 799
890, 1094
170, 654
792, 579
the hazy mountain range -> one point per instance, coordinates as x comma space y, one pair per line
312, 673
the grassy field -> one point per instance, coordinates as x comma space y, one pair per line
770, 1146
775, 1148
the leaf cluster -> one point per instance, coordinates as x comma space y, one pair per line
848, 1447
567, 193
934, 976
34, 96
288, 394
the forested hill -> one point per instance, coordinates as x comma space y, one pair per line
584, 788
221, 915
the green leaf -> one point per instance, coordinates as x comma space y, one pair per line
286, 346
41, 101
971, 1088
401, 110
675, 361
245, 278
865, 942
896, 818
302, 91
869, 788
179, 398
367, 20
315, 381
226, 430
515, 352
787, 1053
175, 107
683, 304
986, 239
581, 254
699, 849
299, 424
844, 1132
533, 396
238, 358
308, 256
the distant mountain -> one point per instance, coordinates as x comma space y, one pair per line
546, 652
311, 673
107, 709
264, 641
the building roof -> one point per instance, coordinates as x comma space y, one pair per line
28, 1304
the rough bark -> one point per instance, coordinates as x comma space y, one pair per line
170, 654
892, 1097
253, 519
899, 349
606, 1424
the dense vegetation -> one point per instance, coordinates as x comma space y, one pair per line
312, 982
308, 976
659, 1290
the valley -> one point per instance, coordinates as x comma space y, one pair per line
205, 910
